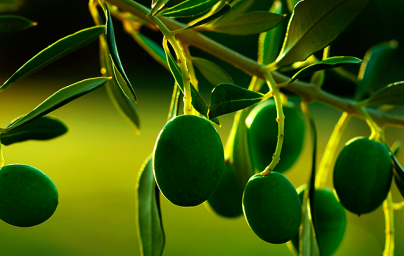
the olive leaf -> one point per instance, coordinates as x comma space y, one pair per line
270, 43
292, 4
398, 172
237, 7
57, 100
328, 63
175, 101
314, 25
211, 71
157, 6
189, 8
391, 94
227, 98
11, 23
55, 51
148, 212
44, 128
197, 101
248, 23
373, 66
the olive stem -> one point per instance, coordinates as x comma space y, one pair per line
1, 157
389, 220
376, 134
331, 150
398, 206
280, 119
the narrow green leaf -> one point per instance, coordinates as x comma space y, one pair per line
314, 25
373, 66
120, 74
398, 172
212, 72
189, 8
55, 51
328, 63
248, 23
157, 6
175, 101
197, 101
270, 43
148, 212
237, 7
292, 4
59, 99
44, 128
11, 23
10, 5
391, 94
227, 98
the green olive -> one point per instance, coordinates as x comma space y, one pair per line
226, 201
329, 220
363, 175
262, 132
272, 207
27, 196
188, 160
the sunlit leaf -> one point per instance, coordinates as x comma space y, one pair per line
227, 98
328, 63
175, 100
157, 6
248, 23
44, 128
373, 66
314, 25
237, 7
59, 99
148, 212
212, 72
55, 51
189, 8
292, 4
11, 23
391, 94
398, 172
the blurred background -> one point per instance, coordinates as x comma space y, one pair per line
95, 165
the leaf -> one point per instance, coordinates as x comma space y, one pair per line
120, 74
292, 4
212, 72
373, 66
227, 98
11, 23
123, 104
148, 212
44, 128
59, 99
328, 63
197, 101
175, 101
157, 6
248, 23
270, 43
55, 51
391, 94
314, 25
237, 7
398, 174
189, 8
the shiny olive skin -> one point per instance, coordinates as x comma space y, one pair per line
188, 160
262, 132
272, 207
329, 220
27, 196
362, 175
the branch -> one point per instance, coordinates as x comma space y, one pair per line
309, 92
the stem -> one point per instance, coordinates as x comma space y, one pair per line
389, 220
280, 119
398, 206
331, 150
376, 134
1, 157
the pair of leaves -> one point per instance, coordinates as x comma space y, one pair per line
314, 25
12, 23
44, 128
391, 94
148, 212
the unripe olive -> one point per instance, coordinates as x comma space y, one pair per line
226, 201
329, 220
262, 132
27, 196
272, 207
363, 175
188, 160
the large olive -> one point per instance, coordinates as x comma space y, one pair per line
272, 207
262, 132
188, 160
363, 175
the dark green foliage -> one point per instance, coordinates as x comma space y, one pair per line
28, 197
11, 23
262, 131
188, 160
363, 175
272, 207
